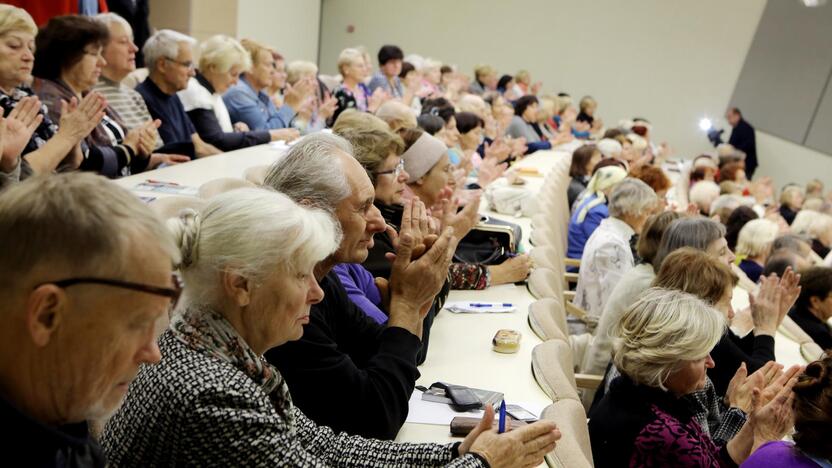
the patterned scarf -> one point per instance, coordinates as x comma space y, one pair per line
207, 331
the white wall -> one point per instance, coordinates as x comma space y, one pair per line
291, 26
669, 61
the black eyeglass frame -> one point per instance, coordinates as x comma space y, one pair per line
173, 293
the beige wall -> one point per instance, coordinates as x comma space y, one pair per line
670, 61
291, 26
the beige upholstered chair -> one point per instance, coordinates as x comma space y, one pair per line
547, 319
552, 369
256, 174
573, 449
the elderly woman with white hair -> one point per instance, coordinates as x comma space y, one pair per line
608, 255
754, 246
352, 93
247, 258
663, 355
221, 61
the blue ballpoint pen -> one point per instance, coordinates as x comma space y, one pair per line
497, 304
502, 425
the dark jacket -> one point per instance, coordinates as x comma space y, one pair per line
731, 351
347, 371
816, 328
636, 425
31, 443
743, 139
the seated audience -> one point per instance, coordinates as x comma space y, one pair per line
68, 62
221, 60
120, 53
813, 308
524, 125
277, 85
248, 100
797, 244
45, 146
607, 255
791, 201
703, 194
754, 245
319, 105
390, 59
814, 189
169, 59
655, 178
724, 205
812, 401
583, 163
81, 307
591, 208
821, 231
239, 407
373, 366
663, 355
634, 282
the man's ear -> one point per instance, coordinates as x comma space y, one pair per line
814, 302
236, 287
45, 308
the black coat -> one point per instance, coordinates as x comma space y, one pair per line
743, 139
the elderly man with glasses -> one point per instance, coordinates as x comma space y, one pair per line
87, 285
169, 58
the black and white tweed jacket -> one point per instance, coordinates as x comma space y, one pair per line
192, 409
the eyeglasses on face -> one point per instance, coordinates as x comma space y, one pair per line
396, 171
173, 293
189, 65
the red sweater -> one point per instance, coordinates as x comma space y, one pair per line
42, 10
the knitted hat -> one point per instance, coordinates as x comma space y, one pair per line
422, 156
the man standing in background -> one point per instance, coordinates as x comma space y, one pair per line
743, 139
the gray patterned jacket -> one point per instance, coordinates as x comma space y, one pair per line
192, 409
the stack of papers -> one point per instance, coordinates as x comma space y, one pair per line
165, 187
467, 307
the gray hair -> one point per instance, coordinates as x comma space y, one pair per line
109, 18
661, 331
792, 242
698, 233
223, 52
311, 173
631, 197
756, 237
164, 44
251, 232
75, 224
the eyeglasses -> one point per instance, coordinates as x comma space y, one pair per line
173, 293
189, 65
398, 170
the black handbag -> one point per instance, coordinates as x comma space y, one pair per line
490, 242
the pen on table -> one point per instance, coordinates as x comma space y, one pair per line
502, 425
161, 182
479, 304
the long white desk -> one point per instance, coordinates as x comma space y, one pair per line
460, 345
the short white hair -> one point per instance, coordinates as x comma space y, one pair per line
474, 104
631, 197
803, 221
109, 18
703, 194
661, 331
429, 64
397, 115
164, 44
299, 69
820, 225
756, 237
311, 172
252, 232
609, 148
728, 202
224, 53
348, 57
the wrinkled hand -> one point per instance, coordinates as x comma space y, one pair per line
490, 170
463, 220
742, 385
284, 134
523, 447
771, 421
241, 127
79, 119
376, 99
518, 146
157, 159
147, 137
561, 138
789, 291
511, 271
327, 108
765, 306
21, 123
776, 385
295, 95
